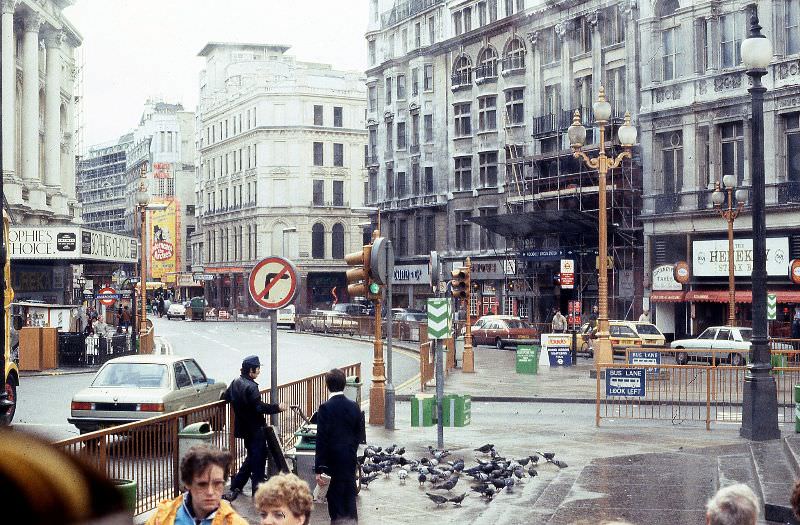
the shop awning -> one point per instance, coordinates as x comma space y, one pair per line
521, 225
742, 296
677, 296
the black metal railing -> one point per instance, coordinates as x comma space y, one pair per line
463, 78
545, 124
666, 203
513, 63
76, 350
789, 192
487, 71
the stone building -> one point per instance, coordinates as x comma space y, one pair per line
281, 171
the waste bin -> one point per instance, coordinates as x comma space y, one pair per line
778, 361
127, 487
195, 434
456, 410
423, 410
352, 389
528, 359
459, 351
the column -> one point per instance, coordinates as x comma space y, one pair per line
30, 97
562, 29
8, 63
52, 108
597, 64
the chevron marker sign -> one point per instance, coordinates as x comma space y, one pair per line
439, 319
772, 306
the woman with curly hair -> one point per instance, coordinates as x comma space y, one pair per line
284, 500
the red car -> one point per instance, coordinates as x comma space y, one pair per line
503, 330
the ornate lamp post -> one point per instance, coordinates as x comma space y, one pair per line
759, 401
142, 200
602, 163
729, 213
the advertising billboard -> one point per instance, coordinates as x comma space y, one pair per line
163, 242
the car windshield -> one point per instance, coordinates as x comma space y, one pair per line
515, 323
137, 375
708, 333
647, 329
747, 334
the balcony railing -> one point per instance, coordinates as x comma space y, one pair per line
513, 64
486, 72
413, 149
789, 192
462, 79
403, 10
666, 203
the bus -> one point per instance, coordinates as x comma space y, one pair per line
10, 369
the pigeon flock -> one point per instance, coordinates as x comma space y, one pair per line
491, 474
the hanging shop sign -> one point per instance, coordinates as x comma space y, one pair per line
681, 272
162, 170
492, 269
794, 271
664, 278
710, 258
71, 243
411, 274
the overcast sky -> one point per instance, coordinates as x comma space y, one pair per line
135, 49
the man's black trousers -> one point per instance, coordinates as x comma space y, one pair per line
254, 463
342, 500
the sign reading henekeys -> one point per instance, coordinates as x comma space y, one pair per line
439, 326
710, 258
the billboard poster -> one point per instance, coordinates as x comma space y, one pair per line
163, 249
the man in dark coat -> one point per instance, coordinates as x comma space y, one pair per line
249, 425
339, 429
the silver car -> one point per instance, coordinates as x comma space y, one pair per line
137, 387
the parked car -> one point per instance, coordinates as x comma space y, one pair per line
286, 316
330, 321
355, 309
733, 343
137, 387
176, 310
503, 330
649, 334
622, 334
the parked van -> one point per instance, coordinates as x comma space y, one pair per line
286, 316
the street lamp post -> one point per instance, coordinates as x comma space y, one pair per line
759, 400
602, 163
142, 200
729, 213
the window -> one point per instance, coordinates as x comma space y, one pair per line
487, 113
463, 173
552, 99
669, 59
583, 92
488, 239
419, 236
462, 119
427, 81
389, 135
431, 31
373, 142
462, 71
514, 55
415, 130
615, 90
487, 162
414, 82
487, 63
417, 35
458, 25
402, 237
338, 155
732, 136
318, 158
401, 184
614, 27
481, 14
337, 241
318, 241
583, 36
373, 185
672, 161
731, 31
337, 116
389, 90
182, 379
428, 179
667, 8
389, 182
401, 135
463, 229
492, 10
319, 193
404, 40
467, 19
415, 179
401, 87
371, 51
317, 115
791, 18
428, 122
373, 98
514, 6
515, 110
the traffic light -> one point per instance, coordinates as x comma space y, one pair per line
510, 286
460, 283
358, 281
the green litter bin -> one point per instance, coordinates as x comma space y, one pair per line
423, 410
778, 361
528, 359
192, 435
127, 487
797, 408
456, 410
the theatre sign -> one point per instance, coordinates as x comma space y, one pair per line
71, 243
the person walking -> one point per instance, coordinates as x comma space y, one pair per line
126, 319
204, 471
559, 323
340, 427
161, 308
645, 317
249, 425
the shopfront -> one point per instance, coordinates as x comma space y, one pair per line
411, 286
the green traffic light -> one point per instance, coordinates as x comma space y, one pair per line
374, 288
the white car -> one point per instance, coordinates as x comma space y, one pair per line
731, 342
176, 310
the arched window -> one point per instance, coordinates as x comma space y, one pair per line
514, 55
337, 241
667, 8
487, 63
318, 241
462, 71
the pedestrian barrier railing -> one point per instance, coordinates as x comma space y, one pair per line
79, 350
358, 326
710, 391
148, 451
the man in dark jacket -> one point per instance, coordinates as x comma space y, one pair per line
339, 429
249, 425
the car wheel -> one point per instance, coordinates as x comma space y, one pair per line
8, 417
499, 343
737, 360
681, 358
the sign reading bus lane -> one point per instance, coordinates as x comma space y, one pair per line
628, 382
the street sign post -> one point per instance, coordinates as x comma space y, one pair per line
642, 357
273, 284
626, 382
439, 327
772, 306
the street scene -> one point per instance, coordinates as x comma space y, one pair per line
384, 261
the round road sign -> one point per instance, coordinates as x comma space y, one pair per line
273, 283
107, 296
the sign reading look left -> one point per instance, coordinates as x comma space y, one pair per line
273, 283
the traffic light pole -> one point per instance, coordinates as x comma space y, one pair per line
468, 359
389, 409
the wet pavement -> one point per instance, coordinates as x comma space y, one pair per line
643, 471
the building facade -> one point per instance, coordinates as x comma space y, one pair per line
695, 129
102, 185
468, 106
281, 171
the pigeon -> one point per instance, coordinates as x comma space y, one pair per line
534, 458
390, 450
509, 482
401, 451
422, 478
532, 472
366, 480
387, 470
458, 466
549, 455
559, 463
485, 448
458, 499
402, 474
524, 461
439, 500
519, 474
449, 484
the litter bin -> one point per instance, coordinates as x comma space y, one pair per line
778, 361
195, 434
352, 389
127, 487
456, 410
460, 351
423, 410
528, 359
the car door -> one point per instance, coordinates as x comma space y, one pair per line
184, 393
203, 394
